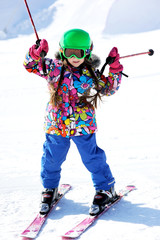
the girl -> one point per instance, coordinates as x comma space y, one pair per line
74, 84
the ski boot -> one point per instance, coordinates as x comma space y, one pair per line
47, 200
101, 199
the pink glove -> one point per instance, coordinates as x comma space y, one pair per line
115, 66
35, 50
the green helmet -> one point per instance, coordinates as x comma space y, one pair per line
76, 39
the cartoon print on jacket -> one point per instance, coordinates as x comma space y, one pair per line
71, 118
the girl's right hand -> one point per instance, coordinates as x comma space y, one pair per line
36, 50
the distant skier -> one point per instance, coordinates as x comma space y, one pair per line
75, 85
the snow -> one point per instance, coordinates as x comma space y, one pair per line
142, 15
130, 136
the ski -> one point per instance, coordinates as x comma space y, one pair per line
76, 231
34, 228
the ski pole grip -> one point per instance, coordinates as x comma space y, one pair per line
43, 54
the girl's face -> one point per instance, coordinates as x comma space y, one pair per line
75, 62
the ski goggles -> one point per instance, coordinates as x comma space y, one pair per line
78, 53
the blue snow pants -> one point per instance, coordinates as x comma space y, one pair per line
55, 150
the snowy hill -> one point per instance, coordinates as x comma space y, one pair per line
130, 137
133, 17
108, 17
14, 18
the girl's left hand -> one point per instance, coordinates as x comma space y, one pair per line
115, 66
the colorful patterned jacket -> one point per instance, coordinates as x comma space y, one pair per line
71, 118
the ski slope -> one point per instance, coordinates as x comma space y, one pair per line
130, 136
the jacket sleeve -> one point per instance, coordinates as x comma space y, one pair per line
109, 85
53, 68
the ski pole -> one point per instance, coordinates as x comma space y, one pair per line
150, 53
110, 60
31, 19
43, 52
